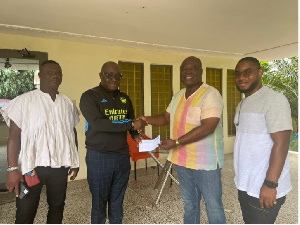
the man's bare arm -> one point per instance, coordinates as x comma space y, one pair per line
13, 148
277, 159
206, 128
158, 120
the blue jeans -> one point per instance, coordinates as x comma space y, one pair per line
197, 183
107, 175
254, 214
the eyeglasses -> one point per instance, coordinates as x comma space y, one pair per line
117, 76
246, 73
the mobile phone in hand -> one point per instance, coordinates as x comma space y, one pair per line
23, 190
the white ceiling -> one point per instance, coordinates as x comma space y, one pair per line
266, 29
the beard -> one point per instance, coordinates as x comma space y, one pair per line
250, 89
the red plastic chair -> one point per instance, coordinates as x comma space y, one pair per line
136, 155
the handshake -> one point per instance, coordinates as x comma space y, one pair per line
139, 123
160, 120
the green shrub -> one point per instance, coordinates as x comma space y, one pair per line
15, 82
294, 142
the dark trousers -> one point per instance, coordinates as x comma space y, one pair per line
107, 176
55, 180
254, 214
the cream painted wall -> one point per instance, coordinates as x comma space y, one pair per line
81, 64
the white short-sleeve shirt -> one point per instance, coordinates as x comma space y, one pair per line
47, 130
258, 115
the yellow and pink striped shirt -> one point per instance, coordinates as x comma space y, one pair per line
185, 115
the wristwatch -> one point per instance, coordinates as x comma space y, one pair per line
270, 184
10, 169
177, 143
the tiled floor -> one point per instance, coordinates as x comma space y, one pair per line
140, 197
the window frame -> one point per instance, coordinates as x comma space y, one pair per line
171, 93
142, 84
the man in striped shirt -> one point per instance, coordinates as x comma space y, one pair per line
194, 115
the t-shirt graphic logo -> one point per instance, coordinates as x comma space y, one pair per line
123, 100
104, 100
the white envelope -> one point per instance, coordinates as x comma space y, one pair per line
149, 145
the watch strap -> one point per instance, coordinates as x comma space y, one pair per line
10, 169
270, 184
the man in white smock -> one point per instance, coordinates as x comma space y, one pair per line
42, 143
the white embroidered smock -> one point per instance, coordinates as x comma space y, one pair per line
47, 130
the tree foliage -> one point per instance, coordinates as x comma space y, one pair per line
282, 76
15, 82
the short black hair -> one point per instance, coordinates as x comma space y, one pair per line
109, 63
194, 58
251, 59
48, 62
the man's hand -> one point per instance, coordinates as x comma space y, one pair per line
168, 144
139, 124
158, 120
143, 118
74, 172
12, 181
267, 197
138, 138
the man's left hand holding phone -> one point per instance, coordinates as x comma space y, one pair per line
14, 177
15, 182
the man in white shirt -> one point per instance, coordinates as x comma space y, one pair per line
263, 124
42, 143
